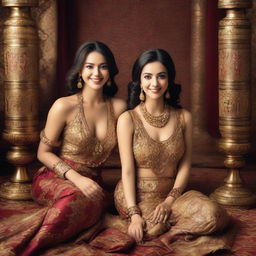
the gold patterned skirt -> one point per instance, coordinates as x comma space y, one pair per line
192, 213
149, 193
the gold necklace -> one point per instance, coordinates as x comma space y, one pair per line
156, 121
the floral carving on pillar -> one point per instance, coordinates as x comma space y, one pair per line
3, 16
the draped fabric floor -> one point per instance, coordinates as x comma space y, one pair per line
202, 179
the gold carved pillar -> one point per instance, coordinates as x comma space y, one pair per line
252, 16
20, 52
234, 100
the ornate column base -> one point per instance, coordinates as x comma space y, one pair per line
233, 193
15, 190
19, 187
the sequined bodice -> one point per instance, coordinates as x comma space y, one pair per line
153, 154
81, 145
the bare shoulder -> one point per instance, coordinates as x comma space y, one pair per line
187, 115
125, 121
64, 105
119, 106
187, 118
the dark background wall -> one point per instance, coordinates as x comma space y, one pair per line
129, 27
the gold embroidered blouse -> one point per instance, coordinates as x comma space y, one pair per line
153, 154
80, 145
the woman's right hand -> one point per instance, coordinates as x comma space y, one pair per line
89, 187
135, 229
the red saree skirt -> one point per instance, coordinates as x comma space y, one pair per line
69, 210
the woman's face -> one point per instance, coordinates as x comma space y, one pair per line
154, 80
95, 72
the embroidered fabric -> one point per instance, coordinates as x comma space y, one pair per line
150, 192
80, 144
192, 213
149, 153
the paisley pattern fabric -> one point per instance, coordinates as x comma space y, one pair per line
150, 192
157, 155
194, 212
195, 218
22, 220
68, 213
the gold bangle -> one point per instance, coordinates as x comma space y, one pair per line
47, 141
134, 210
60, 168
175, 193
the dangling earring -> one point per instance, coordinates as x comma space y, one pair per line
80, 83
142, 95
109, 82
167, 95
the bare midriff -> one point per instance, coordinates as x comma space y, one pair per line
169, 172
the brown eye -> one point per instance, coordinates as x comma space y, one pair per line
104, 66
162, 76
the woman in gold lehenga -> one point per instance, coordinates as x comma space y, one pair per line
155, 146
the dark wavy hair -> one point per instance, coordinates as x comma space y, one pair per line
146, 57
81, 54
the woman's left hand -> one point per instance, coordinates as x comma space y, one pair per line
161, 213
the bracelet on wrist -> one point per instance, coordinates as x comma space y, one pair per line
175, 193
60, 168
134, 210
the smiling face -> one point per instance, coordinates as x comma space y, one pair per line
154, 80
95, 72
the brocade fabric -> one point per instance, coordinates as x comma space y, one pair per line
79, 143
153, 154
196, 226
66, 210
69, 210
149, 193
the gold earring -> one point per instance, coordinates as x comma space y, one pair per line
80, 83
142, 95
167, 95
109, 82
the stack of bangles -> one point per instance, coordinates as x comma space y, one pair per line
175, 193
134, 210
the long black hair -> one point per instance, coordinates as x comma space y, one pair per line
146, 57
81, 54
